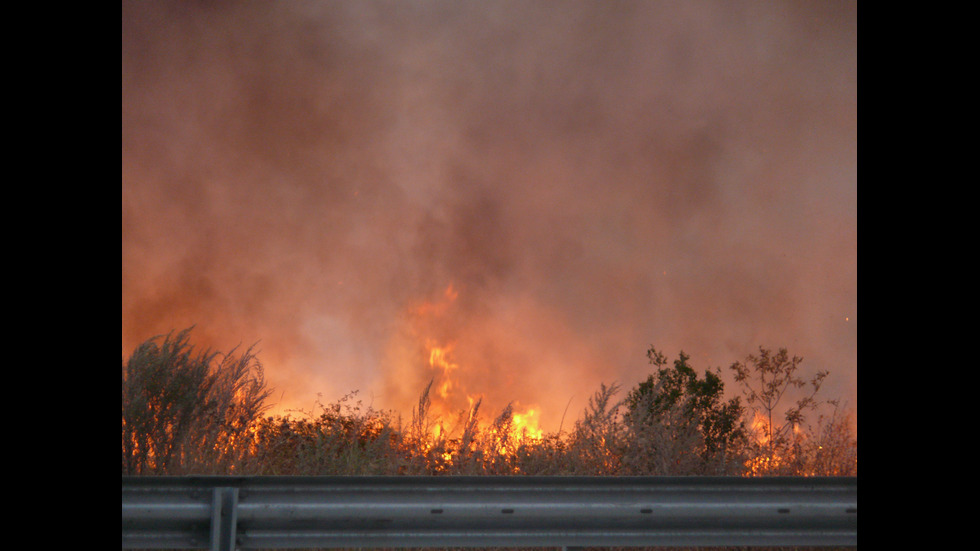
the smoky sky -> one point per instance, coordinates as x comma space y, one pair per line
589, 178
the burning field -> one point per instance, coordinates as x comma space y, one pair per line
497, 206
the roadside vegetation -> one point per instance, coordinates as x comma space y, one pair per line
186, 411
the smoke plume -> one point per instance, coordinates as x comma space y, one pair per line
548, 188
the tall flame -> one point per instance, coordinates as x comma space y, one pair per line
450, 391
439, 360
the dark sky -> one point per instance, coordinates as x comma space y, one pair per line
589, 178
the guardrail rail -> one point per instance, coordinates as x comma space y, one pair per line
271, 512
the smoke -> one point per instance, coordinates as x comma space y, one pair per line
588, 178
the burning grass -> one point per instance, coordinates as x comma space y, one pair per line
202, 414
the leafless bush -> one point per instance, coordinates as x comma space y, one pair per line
597, 440
784, 443
832, 448
342, 439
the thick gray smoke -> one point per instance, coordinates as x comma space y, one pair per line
586, 178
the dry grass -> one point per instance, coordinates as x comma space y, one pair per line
185, 412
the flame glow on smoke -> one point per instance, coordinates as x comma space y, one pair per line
452, 399
510, 200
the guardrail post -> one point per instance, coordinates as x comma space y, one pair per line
224, 519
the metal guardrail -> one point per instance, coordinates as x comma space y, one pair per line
225, 513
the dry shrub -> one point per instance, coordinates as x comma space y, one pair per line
188, 412
185, 412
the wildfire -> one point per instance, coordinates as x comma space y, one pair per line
524, 423
450, 397
776, 452
527, 424
439, 360
760, 428
763, 463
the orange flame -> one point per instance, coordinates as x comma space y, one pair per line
760, 428
774, 456
527, 424
449, 389
439, 359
